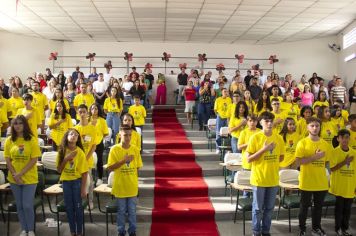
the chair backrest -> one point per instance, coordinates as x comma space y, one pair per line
39, 131
2, 156
41, 183
107, 138
49, 160
111, 179
211, 123
74, 122
232, 158
41, 142
289, 176
242, 177
95, 159
138, 129
48, 132
327, 173
224, 131
2, 177
3, 143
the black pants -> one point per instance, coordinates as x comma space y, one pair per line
99, 165
342, 213
305, 202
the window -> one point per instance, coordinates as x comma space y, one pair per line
349, 38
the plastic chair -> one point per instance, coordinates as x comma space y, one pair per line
49, 161
225, 141
229, 159
2, 157
210, 132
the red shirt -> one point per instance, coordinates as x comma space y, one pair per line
189, 94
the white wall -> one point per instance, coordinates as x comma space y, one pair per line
347, 70
21, 55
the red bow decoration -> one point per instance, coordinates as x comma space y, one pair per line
220, 67
202, 57
184, 65
240, 58
53, 56
273, 59
128, 56
148, 66
91, 56
166, 56
108, 65
256, 67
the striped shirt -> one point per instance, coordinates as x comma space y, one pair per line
338, 92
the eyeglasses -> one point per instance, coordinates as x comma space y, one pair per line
18, 123
275, 104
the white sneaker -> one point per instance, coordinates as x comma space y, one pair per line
31, 233
23, 233
217, 151
99, 182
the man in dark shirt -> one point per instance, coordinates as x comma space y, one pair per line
182, 80
75, 74
255, 89
149, 77
93, 76
5, 89
274, 84
132, 74
248, 78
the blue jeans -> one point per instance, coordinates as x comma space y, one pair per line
126, 205
73, 203
220, 122
262, 207
204, 110
113, 121
234, 142
24, 196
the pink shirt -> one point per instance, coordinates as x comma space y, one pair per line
307, 99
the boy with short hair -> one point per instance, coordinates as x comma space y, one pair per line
31, 114
138, 112
125, 160
343, 181
265, 150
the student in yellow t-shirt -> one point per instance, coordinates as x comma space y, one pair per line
275, 91
249, 102
263, 103
58, 96
289, 107
337, 118
39, 102
236, 98
279, 116
32, 114
73, 167
343, 181
305, 113
138, 112
344, 113
311, 154
97, 120
321, 99
15, 102
328, 127
352, 129
221, 110
290, 137
59, 122
83, 98
21, 154
237, 123
264, 152
4, 109
88, 135
113, 107
125, 160
127, 119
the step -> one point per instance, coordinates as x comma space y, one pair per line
189, 133
197, 142
200, 155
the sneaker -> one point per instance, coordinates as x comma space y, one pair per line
266, 234
132, 234
302, 233
31, 233
121, 234
217, 151
318, 232
23, 233
99, 182
343, 233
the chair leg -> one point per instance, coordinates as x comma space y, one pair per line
57, 223
326, 211
84, 222
230, 194
290, 227
237, 202
243, 220
34, 222
43, 213
8, 223
107, 223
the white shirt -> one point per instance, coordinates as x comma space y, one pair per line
100, 86
262, 80
47, 91
107, 78
127, 86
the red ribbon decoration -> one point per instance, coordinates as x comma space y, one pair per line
240, 58
184, 65
273, 59
128, 56
91, 56
202, 57
148, 66
108, 65
166, 57
53, 56
220, 67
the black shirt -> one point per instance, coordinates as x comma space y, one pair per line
5, 92
255, 91
137, 92
151, 79
247, 80
182, 79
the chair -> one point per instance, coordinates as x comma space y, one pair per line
242, 183
229, 159
95, 160
107, 138
194, 114
139, 130
329, 199
38, 201
210, 132
2, 157
225, 141
49, 161
2, 177
2, 181
2, 147
288, 201
74, 122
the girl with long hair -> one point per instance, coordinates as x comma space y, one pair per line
249, 102
237, 123
57, 96
328, 128
336, 117
307, 97
263, 103
21, 154
290, 137
321, 99
305, 113
113, 107
73, 167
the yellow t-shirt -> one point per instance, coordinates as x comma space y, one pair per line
245, 135
125, 183
74, 170
3, 111
233, 122
251, 107
328, 131
231, 110
265, 170
264, 108
343, 180
138, 113
221, 107
290, 144
86, 99
291, 109
352, 142
102, 130
20, 152
339, 123
319, 103
302, 128
89, 136
34, 120
312, 176
14, 104
52, 104
345, 115
58, 132
39, 102
135, 139
111, 105
281, 115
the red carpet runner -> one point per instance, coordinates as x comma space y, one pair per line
181, 202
